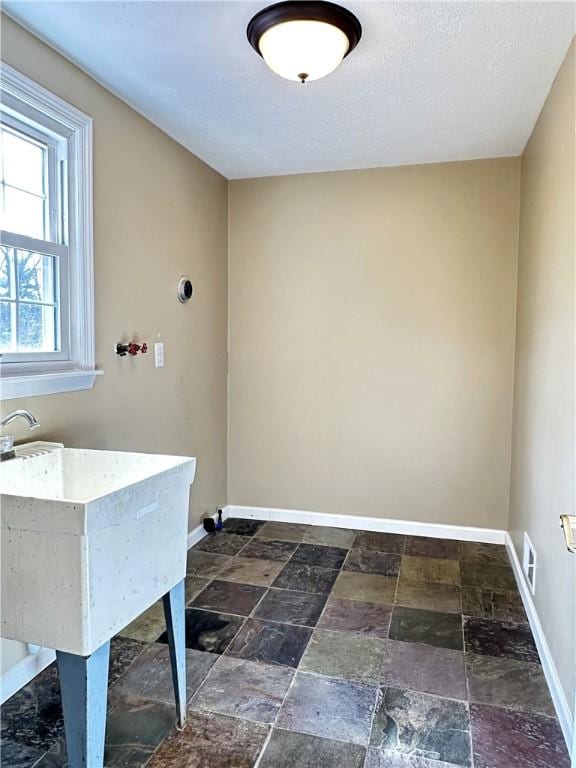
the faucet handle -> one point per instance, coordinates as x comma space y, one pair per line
6, 444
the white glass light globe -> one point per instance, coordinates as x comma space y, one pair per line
294, 49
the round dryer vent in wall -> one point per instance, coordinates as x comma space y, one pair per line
185, 289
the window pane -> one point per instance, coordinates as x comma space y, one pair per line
23, 213
7, 326
35, 277
36, 328
24, 163
7, 281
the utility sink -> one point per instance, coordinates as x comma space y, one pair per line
90, 539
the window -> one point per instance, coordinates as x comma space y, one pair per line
46, 270
31, 205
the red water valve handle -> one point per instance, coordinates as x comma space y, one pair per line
131, 348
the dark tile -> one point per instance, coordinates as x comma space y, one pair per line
376, 758
205, 564
500, 638
207, 631
134, 729
194, 585
56, 757
410, 723
147, 627
229, 597
368, 587
290, 607
487, 576
487, 604
212, 741
287, 749
413, 625
123, 651
150, 676
431, 597
282, 531
329, 708
247, 689
344, 655
316, 554
367, 561
430, 570
33, 715
392, 543
270, 642
241, 527
267, 549
355, 616
251, 570
332, 537
306, 578
14, 755
425, 546
473, 551
505, 739
221, 544
424, 668
504, 682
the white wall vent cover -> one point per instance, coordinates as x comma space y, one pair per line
529, 562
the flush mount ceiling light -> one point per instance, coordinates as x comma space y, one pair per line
302, 40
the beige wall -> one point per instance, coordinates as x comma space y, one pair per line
543, 435
371, 326
159, 212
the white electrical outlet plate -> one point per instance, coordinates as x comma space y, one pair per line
159, 354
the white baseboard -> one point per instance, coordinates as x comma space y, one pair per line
21, 674
380, 524
198, 533
436, 530
550, 672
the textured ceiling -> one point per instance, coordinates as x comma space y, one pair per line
429, 81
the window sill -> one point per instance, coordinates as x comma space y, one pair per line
31, 385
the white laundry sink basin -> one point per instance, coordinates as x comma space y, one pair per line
90, 539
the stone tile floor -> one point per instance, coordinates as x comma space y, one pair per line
312, 647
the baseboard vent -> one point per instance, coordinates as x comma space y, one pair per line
561, 704
529, 563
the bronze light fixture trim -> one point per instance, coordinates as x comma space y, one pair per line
304, 40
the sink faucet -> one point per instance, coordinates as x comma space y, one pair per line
21, 414
7, 441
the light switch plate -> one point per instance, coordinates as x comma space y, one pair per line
159, 354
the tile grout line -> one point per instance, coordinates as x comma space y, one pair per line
330, 593
220, 612
238, 554
314, 628
297, 668
466, 680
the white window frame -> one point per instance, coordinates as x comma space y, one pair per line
24, 375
